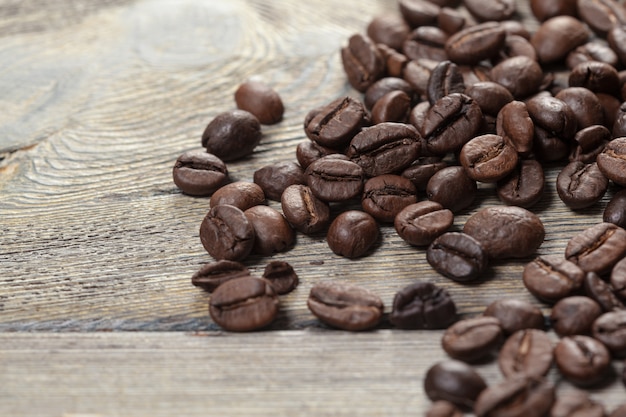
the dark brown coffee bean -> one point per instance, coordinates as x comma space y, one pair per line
394, 106
457, 256
524, 187
599, 77
305, 212
581, 185
515, 125
515, 314
582, 360
557, 37
308, 152
494, 228
585, 105
443, 408
488, 158
618, 279
419, 12
273, 234
199, 173
576, 403
601, 15
282, 276
241, 194
362, 62
451, 20
610, 108
518, 396
521, 75
352, 234
592, 51
619, 126
445, 78
548, 146
496, 10
615, 210
345, 306
335, 124
473, 74
261, 100
589, 143
551, 278
422, 169
514, 46
420, 223
385, 148
452, 188
226, 233
543, 10
386, 195
472, 339
490, 96
601, 292
213, 274
274, 178
454, 381
232, 135
244, 304
417, 73
553, 115
617, 41
389, 29
610, 329
395, 62
426, 42
423, 305
574, 315
450, 123
597, 248
384, 86
612, 161
333, 179
527, 351
475, 43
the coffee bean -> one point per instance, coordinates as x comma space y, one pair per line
352, 234
589, 143
617, 41
553, 115
515, 314
457, 256
574, 315
273, 234
244, 304
557, 37
619, 126
332, 179
419, 12
452, 188
615, 210
308, 152
422, 169
610, 106
516, 45
305, 212
581, 185
394, 61
601, 15
226, 233
521, 75
362, 62
416, 119
544, 10
384, 196
597, 248
490, 96
576, 403
612, 161
384, 86
420, 223
199, 173
601, 292
389, 29
549, 146
443, 408
598, 77
261, 100
345, 306
336, 123
618, 279
494, 228
213, 274
488, 158
585, 105
282, 277
232, 135
241, 194
520, 396
582, 360
394, 106
524, 187
496, 10
592, 51
454, 381
445, 78
451, 20
274, 178
610, 329
515, 125
426, 42
527, 351
472, 339
475, 43
551, 278
423, 305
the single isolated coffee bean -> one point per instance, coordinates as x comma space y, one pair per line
336, 123
305, 212
457, 256
384, 196
213, 274
232, 135
552, 277
199, 173
352, 234
576, 403
420, 223
244, 304
392, 107
597, 248
274, 178
610, 329
612, 161
618, 279
226, 233
454, 381
514, 124
601, 292
345, 306
581, 185
583, 360
333, 179
282, 276
362, 62
241, 194
525, 186
518, 396
574, 315
423, 305
528, 351
261, 100
515, 314
472, 339
452, 188
273, 234
443, 408
488, 158
615, 210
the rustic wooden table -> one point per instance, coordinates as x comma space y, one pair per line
97, 245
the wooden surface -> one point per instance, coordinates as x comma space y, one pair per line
97, 99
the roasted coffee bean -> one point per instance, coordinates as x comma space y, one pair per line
452, 188
345, 306
244, 304
450, 123
443, 408
515, 314
273, 234
282, 276
601, 15
226, 233
389, 29
417, 117
598, 77
454, 381
385, 148
515, 45
601, 292
308, 152
488, 158
422, 169
352, 234
557, 37
543, 10
551, 278
553, 115
305, 212
548, 146
335, 124
518, 396
581, 185
610, 107
619, 126
241, 194
426, 42
386, 195
457, 256
472, 339
490, 96
423, 305
496, 10
475, 43
445, 78
610, 329
494, 228
612, 161
333, 179
574, 315
576, 403
451, 20
420, 223
615, 210
597, 248
362, 62
394, 106
618, 279
419, 12
213, 274
589, 143
232, 135
592, 51
521, 75
394, 60
617, 41
524, 187
527, 351
274, 178
585, 105
473, 74
199, 173
384, 86
515, 125
582, 360
261, 100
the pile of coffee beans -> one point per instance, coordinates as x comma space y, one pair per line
450, 94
